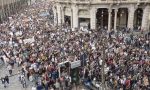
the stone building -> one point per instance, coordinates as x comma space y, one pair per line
103, 13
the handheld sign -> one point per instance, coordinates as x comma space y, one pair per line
75, 64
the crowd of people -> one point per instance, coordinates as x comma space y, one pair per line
30, 40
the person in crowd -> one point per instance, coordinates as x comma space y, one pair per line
7, 79
3, 82
9, 67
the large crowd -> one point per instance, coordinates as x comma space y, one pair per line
30, 40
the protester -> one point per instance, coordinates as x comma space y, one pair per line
7, 79
3, 82
9, 67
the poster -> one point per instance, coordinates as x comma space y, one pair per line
75, 64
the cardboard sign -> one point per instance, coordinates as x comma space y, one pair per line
75, 64
19, 33
29, 40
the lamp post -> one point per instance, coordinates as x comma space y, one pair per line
103, 43
71, 18
103, 64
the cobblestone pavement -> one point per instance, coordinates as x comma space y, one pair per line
14, 83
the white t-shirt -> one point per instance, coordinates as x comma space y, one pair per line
9, 67
33, 88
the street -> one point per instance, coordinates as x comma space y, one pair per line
14, 82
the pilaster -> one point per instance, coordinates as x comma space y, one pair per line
115, 19
59, 14
145, 17
131, 11
93, 18
109, 19
62, 14
55, 15
75, 16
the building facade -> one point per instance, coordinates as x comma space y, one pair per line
110, 14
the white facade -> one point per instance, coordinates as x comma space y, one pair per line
88, 9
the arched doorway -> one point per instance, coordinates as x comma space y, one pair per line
122, 17
138, 18
67, 16
68, 20
102, 17
84, 19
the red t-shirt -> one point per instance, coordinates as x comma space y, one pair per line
127, 83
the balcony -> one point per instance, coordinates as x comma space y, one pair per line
74, 1
63, 1
120, 1
102, 1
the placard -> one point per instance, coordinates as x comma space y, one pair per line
75, 64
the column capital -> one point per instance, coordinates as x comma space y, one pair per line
131, 9
116, 9
75, 5
62, 6
146, 8
93, 8
109, 10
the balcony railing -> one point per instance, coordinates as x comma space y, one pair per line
104, 1
120, 1
82, 1
64, 1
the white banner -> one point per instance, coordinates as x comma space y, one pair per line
75, 64
19, 33
29, 40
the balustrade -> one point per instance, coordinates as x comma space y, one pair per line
105, 1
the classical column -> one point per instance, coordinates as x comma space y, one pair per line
75, 16
55, 15
109, 19
131, 11
71, 17
93, 18
59, 14
1, 10
115, 20
9, 10
145, 17
63, 15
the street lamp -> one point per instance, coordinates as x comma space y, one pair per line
71, 18
103, 43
